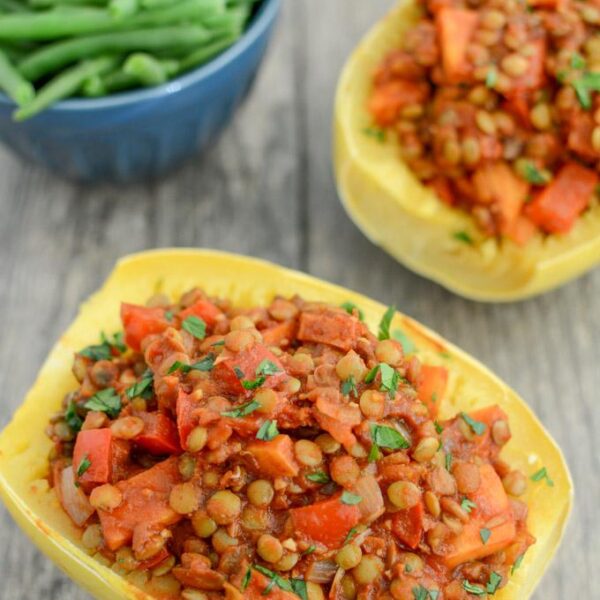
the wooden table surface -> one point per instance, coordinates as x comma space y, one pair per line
266, 189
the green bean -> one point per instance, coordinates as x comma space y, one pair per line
94, 87
206, 53
50, 25
115, 81
149, 70
120, 9
13, 83
56, 56
65, 85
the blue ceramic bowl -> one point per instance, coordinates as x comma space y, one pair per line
144, 133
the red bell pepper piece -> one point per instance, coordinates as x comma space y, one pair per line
160, 434
456, 27
407, 525
432, 386
140, 322
203, 309
93, 446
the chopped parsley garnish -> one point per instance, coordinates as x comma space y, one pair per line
349, 387
196, 326
407, 344
84, 465
494, 583
265, 368
533, 175
473, 588
542, 474
374, 132
287, 585
491, 77
485, 534
384, 324
584, 85
253, 384
268, 431
206, 364
422, 593
467, 505
143, 387
247, 578
309, 550
577, 61
299, 588
464, 237
242, 411
438, 427
106, 401
104, 350
517, 564
350, 498
350, 307
477, 426
318, 477
448, 461
374, 453
387, 437
169, 315
74, 421
351, 535
370, 376
219, 343
390, 378
408, 568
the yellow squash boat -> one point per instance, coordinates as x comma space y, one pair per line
24, 447
397, 212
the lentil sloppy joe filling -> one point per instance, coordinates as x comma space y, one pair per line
283, 452
495, 106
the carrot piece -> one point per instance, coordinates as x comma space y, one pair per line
203, 309
187, 417
580, 137
497, 184
275, 457
491, 502
280, 334
333, 328
521, 231
389, 98
233, 368
93, 446
558, 205
407, 525
455, 27
159, 436
140, 322
431, 387
145, 506
327, 522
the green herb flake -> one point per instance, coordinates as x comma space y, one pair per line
467, 505
448, 461
105, 349
376, 133
422, 593
390, 378
438, 427
299, 588
253, 384
309, 550
351, 535
74, 421
84, 465
206, 364
219, 343
408, 345
491, 77
577, 61
242, 411
517, 563
238, 372
493, 583
485, 534
141, 387
268, 431
370, 376
196, 326
350, 499
408, 568
533, 175
267, 367
464, 237
477, 590
350, 308
275, 580
477, 426
247, 578
106, 401
349, 387
384, 324
584, 86
318, 477
374, 453
542, 474
169, 315
388, 437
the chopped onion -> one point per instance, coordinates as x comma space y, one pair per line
322, 571
372, 505
337, 592
73, 499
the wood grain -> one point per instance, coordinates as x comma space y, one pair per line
266, 189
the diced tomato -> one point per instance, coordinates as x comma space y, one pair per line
203, 309
140, 322
388, 99
432, 386
327, 522
160, 434
556, 208
233, 368
407, 525
120, 460
491, 502
456, 27
276, 457
517, 104
93, 446
580, 137
145, 505
280, 334
337, 329
187, 417
521, 231
497, 184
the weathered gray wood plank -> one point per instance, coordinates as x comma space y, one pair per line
266, 189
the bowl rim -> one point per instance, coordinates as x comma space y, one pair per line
265, 16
